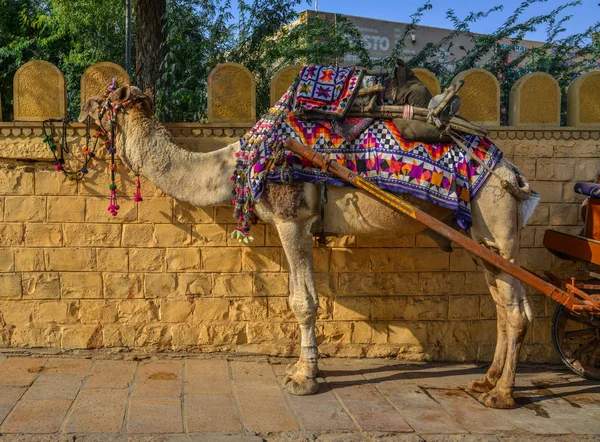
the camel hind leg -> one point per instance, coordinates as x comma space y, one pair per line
496, 225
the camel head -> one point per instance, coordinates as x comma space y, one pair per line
124, 99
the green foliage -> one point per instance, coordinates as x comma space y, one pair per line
267, 36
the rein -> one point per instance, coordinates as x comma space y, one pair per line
106, 135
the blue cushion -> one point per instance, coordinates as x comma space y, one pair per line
589, 189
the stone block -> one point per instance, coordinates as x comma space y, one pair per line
176, 311
462, 261
349, 308
39, 92
160, 285
231, 94
441, 283
407, 333
232, 284
536, 259
122, 285
137, 311
64, 209
138, 235
583, 100
17, 313
248, 309
156, 210
79, 336
93, 312
555, 169
10, 286
429, 79
81, 285
25, 208
70, 259
280, 311
147, 260
426, 308
28, 260
526, 108
211, 309
565, 215
282, 80
349, 260
8, 262
209, 235
480, 96
40, 285
271, 284
187, 213
112, 260
49, 182
179, 260
16, 181
96, 78
221, 259
195, 284
105, 235
396, 284
261, 259
43, 235
172, 235
389, 308
463, 307
551, 191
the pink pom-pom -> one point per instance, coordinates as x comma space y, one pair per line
58, 167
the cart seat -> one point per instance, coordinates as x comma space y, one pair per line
588, 189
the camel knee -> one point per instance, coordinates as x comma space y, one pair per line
304, 309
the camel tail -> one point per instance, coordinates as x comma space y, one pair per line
528, 198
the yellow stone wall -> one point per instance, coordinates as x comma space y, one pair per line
95, 79
535, 101
166, 276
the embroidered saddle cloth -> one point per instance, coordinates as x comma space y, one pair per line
326, 90
440, 173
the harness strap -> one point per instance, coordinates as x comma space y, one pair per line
321, 239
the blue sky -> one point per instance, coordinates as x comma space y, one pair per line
584, 15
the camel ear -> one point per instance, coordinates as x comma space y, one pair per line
401, 72
148, 93
121, 94
90, 108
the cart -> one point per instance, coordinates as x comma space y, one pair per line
576, 321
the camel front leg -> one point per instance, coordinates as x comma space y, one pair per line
296, 239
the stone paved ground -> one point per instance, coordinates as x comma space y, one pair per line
104, 397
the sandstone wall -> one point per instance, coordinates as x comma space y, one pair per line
166, 276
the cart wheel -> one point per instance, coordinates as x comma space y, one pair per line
577, 341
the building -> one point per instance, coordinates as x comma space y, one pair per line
380, 38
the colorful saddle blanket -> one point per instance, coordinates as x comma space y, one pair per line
326, 90
440, 173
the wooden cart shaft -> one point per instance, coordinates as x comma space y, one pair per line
569, 300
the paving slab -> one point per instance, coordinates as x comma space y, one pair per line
20, 372
370, 409
211, 413
97, 411
261, 401
474, 416
321, 411
154, 415
413, 403
54, 386
36, 416
159, 379
67, 366
111, 374
207, 376
9, 396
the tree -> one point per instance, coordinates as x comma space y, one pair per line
150, 41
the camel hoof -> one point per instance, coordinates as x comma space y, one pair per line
291, 369
498, 399
300, 385
482, 385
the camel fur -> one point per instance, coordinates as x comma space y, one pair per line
203, 179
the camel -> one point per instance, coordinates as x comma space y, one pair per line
203, 179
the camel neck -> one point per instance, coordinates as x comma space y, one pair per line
202, 179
